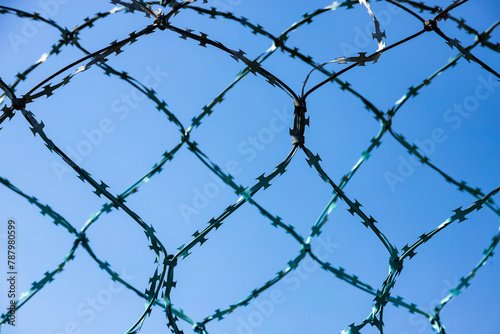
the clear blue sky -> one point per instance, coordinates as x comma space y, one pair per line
117, 135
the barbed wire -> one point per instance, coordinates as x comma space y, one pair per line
161, 282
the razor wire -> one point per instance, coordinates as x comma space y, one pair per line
162, 280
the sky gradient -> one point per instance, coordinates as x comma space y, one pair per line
125, 128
